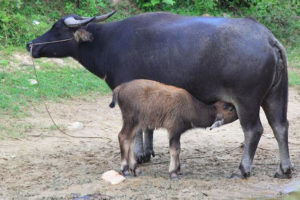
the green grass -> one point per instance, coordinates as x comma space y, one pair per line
56, 82
294, 57
294, 78
293, 196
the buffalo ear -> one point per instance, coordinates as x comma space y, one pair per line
82, 35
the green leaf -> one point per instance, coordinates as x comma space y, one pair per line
170, 2
155, 2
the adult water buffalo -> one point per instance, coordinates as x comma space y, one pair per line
232, 60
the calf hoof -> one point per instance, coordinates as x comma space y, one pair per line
244, 173
137, 172
175, 175
284, 172
125, 171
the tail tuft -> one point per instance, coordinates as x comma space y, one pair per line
113, 101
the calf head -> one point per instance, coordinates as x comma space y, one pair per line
225, 113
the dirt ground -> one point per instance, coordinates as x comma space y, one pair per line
55, 166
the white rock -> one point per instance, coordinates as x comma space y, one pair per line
75, 126
32, 81
35, 22
113, 177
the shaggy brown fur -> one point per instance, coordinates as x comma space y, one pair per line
149, 104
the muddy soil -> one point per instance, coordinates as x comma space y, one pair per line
49, 165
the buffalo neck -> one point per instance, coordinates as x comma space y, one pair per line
204, 115
91, 54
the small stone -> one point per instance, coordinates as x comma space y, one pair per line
32, 81
113, 177
35, 22
185, 190
75, 126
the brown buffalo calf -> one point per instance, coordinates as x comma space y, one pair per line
150, 104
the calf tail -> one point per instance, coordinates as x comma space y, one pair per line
114, 97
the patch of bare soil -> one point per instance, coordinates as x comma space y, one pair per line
54, 166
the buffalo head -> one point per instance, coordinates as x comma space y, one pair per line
62, 39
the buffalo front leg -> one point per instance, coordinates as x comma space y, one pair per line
139, 146
148, 145
143, 145
252, 128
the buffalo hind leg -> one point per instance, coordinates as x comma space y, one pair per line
275, 107
252, 128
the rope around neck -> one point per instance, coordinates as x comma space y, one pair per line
51, 42
44, 98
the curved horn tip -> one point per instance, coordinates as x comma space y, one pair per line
104, 17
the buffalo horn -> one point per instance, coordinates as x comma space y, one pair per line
72, 22
104, 17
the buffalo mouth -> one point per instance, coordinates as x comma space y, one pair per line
35, 50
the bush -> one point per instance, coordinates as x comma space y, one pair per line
150, 4
280, 16
23, 20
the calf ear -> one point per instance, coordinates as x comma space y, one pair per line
82, 35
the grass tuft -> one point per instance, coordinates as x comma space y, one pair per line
17, 87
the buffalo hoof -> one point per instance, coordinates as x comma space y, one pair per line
244, 173
139, 156
144, 157
237, 176
284, 173
148, 154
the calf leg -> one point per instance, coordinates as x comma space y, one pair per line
126, 138
174, 146
249, 118
133, 164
